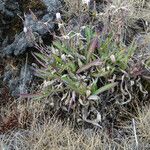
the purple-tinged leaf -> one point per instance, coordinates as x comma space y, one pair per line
93, 46
40, 62
30, 95
89, 65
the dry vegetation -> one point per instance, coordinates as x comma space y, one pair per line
49, 121
53, 134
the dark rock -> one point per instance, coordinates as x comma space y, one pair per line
9, 8
52, 5
18, 46
20, 28
19, 80
25, 78
10, 23
37, 26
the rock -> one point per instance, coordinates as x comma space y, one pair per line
19, 30
9, 8
52, 5
37, 26
25, 79
9, 20
18, 46
18, 80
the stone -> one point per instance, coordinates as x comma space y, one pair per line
20, 28
38, 26
18, 46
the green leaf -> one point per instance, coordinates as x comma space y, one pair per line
93, 46
74, 85
60, 47
72, 66
88, 34
105, 88
97, 62
101, 74
80, 64
94, 86
57, 59
41, 56
105, 45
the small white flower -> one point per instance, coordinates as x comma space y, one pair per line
25, 30
66, 37
54, 51
113, 59
52, 104
108, 68
132, 82
88, 93
86, 2
63, 57
58, 16
146, 23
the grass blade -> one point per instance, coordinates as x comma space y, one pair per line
89, 65
105, 88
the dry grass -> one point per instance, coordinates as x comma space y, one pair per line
118, 16
41, 133
144, 123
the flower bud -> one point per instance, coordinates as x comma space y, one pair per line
63, 57
58, 16
25, 30
113, 59
88, 93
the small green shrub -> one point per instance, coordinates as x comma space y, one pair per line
77, 68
